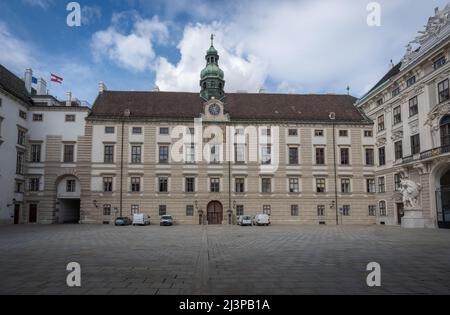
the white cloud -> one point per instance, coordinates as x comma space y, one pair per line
131, 50
44, 4
242, 71
90, 14
21, 58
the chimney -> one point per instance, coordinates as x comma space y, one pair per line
41, 87
28, 79
102, 87
69, 99
436, 10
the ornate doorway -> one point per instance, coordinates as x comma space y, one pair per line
215, 213
443, 201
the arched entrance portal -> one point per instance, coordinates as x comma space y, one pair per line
68, 204
443, 201
215, 213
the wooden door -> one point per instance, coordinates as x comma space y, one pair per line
215, 213
32, 216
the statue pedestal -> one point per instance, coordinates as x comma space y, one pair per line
413, 219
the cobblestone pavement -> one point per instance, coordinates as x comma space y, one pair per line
223, 259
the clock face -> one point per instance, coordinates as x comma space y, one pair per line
214, 109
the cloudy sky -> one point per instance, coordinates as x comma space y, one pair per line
303, 46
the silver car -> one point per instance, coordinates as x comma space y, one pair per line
166, 220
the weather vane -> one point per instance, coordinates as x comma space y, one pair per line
212, 39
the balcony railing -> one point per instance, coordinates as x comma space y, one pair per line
427, 154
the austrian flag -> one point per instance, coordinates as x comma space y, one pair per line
56, 78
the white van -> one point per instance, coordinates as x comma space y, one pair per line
261, 219
141, 219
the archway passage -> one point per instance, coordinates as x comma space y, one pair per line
69, 196
443, 197
69, 211
215, 213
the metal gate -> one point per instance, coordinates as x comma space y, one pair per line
443, 207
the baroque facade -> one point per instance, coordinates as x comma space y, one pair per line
411, 110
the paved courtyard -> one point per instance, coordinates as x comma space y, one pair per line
223, 259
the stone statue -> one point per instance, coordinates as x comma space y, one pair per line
410, 191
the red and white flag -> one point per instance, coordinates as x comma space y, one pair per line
56, 78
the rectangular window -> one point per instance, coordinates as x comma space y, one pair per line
343, 133
370, 159
345, 185
38, 117
21, 137
239, 153
108, 154
215, 153
164, 131
163, 184
22, 114
20, 162
379, 102
239, 210
293, 156
397, 182
439, 63
18, 189
110, 130
415, 144
370, 183
266, 185
190, 153
190, 184
294, 211
134, 209
346, 210
320, 156
135, 184
34, 184
267, 210
189, 210
215, 185
35, 153
368, 133
162, 210
320, 210
106, 210
397, 115
70, 186
69, 154
443, 91
239, 185
70, 118
395, 92
381, 185
382, 156
372, 210
266, 132
137, 130
413, 107
318, 133
136, 154
293, 132
294, 186
320, 185
107, 184
411, 81
345, 156
266, 155
380, 121
382, 209
398, 148
163, 154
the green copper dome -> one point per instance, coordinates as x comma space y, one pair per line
212, 81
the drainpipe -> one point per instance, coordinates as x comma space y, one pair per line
121, 168
335, 170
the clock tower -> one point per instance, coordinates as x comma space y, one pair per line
212, 81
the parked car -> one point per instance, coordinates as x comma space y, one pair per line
141, 219
166, 220
261, 219
123, 221
245, 220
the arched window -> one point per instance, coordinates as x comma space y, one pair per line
445, 130
382, 208
204, 85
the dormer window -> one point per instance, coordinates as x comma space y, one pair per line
439, 62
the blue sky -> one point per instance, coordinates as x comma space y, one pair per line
308, 46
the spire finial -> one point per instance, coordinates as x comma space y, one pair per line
212, 39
